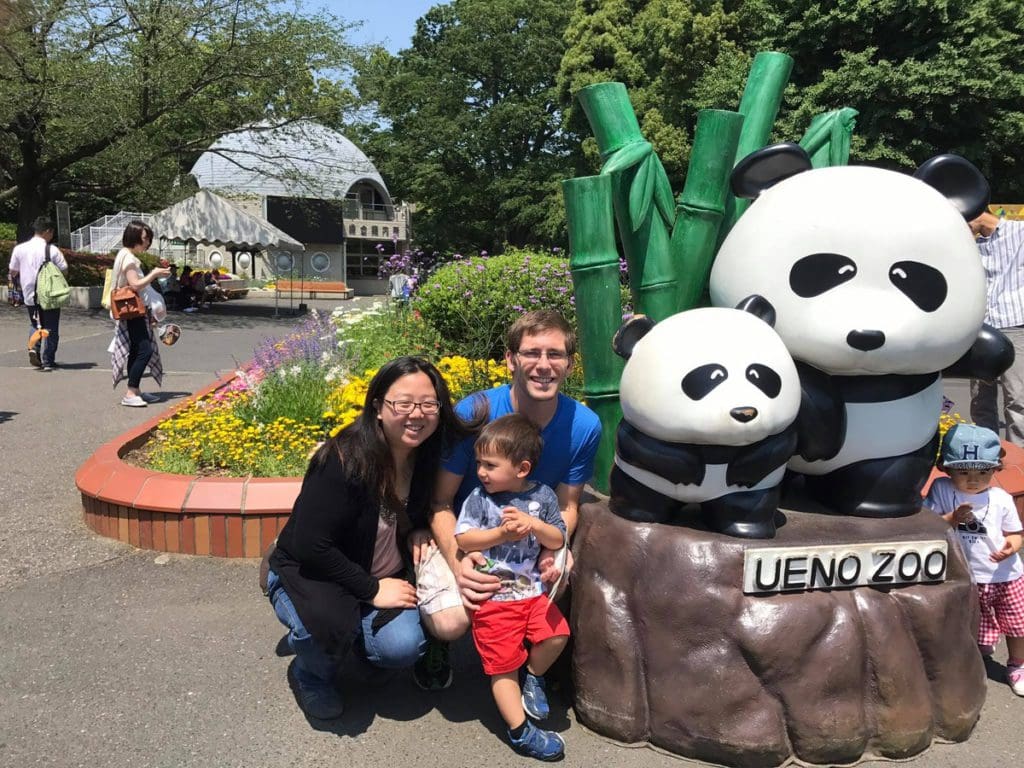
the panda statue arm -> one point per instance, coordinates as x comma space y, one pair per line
989, 357
821, 421
754, 462
676, 462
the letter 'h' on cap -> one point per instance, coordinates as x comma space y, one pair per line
968, 446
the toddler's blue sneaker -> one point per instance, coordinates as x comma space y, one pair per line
543, 745
535, 700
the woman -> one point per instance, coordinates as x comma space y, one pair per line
339, 577
134, 347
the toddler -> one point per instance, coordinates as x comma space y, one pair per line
509, 519
989, 528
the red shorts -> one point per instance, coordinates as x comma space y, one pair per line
1002, 611
499, 629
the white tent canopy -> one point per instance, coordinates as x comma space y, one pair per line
209, 218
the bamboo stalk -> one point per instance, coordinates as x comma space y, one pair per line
827, 140
701, 206
759, 106
594, 261
641, 196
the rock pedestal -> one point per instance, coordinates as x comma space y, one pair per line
670, 650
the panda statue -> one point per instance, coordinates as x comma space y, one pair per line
876, 287
709, 398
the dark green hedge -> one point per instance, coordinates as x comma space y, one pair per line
84, 269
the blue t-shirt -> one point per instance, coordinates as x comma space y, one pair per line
514, 562
570, 439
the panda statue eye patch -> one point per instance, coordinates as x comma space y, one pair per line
813, 275
765, 379
701, 380
923, 285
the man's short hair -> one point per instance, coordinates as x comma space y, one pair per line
42, 224
538, 321
513, 437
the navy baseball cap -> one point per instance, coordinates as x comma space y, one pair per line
968, 446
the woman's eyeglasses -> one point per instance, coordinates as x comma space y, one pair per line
405, 407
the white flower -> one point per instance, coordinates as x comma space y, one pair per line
296, 369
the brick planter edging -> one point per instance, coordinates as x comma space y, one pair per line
216, 516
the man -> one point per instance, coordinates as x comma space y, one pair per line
26, 260
1001, 246
539, 353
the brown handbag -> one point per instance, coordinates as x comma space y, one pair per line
126, 304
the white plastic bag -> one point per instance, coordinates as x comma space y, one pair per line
155, 302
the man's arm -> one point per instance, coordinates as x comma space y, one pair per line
569, 502
474, 586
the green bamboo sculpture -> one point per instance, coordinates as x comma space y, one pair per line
669, 246
595, 274
641, 195
759, 106
827, 140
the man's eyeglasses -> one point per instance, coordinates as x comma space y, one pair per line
405, 407
534, 355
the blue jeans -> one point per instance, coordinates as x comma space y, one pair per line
50, 320
396, 645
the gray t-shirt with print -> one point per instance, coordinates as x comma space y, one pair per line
514, 562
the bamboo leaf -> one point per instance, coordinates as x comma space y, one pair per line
641, 192
663, 193
626, 157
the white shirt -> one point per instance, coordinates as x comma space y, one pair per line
27, 258
1002, 255
994, 513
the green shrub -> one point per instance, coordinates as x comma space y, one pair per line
8, 231
369, 339
472, 303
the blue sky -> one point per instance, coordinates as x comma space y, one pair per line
388, 22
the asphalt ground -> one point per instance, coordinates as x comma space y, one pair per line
113, 656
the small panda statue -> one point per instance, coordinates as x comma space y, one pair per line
709, 397
876, 287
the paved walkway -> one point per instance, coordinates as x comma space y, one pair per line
113, 656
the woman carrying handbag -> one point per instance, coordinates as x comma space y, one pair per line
134, 347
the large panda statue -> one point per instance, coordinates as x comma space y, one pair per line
877, 287
709, 398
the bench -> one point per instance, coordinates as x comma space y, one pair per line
316, 289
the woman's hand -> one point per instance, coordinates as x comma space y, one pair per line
475, 587
394, 593
421, 544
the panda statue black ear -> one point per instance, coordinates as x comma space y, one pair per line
766, 167
961, 183
758, 306
629, 333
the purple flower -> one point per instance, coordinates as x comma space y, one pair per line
483, 253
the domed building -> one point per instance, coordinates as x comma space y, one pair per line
316, 185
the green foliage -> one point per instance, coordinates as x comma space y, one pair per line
376, 336
296, 391
928, 76
8, 231
111, 103
471, 123
472, 303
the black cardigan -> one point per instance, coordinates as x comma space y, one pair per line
325, 550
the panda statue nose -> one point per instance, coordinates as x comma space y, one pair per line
743, 415
865, 340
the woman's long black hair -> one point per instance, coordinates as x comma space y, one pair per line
364, 451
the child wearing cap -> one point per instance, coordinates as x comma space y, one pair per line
509, 519
989, 528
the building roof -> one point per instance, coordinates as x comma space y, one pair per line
207, 218
301, 159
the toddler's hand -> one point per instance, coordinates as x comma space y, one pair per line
1002, 554
963, 514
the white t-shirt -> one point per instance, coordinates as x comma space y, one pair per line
994, 513
27, 258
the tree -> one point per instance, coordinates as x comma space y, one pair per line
926, 76
114, 99
470, 122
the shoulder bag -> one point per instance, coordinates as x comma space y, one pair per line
125, 303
